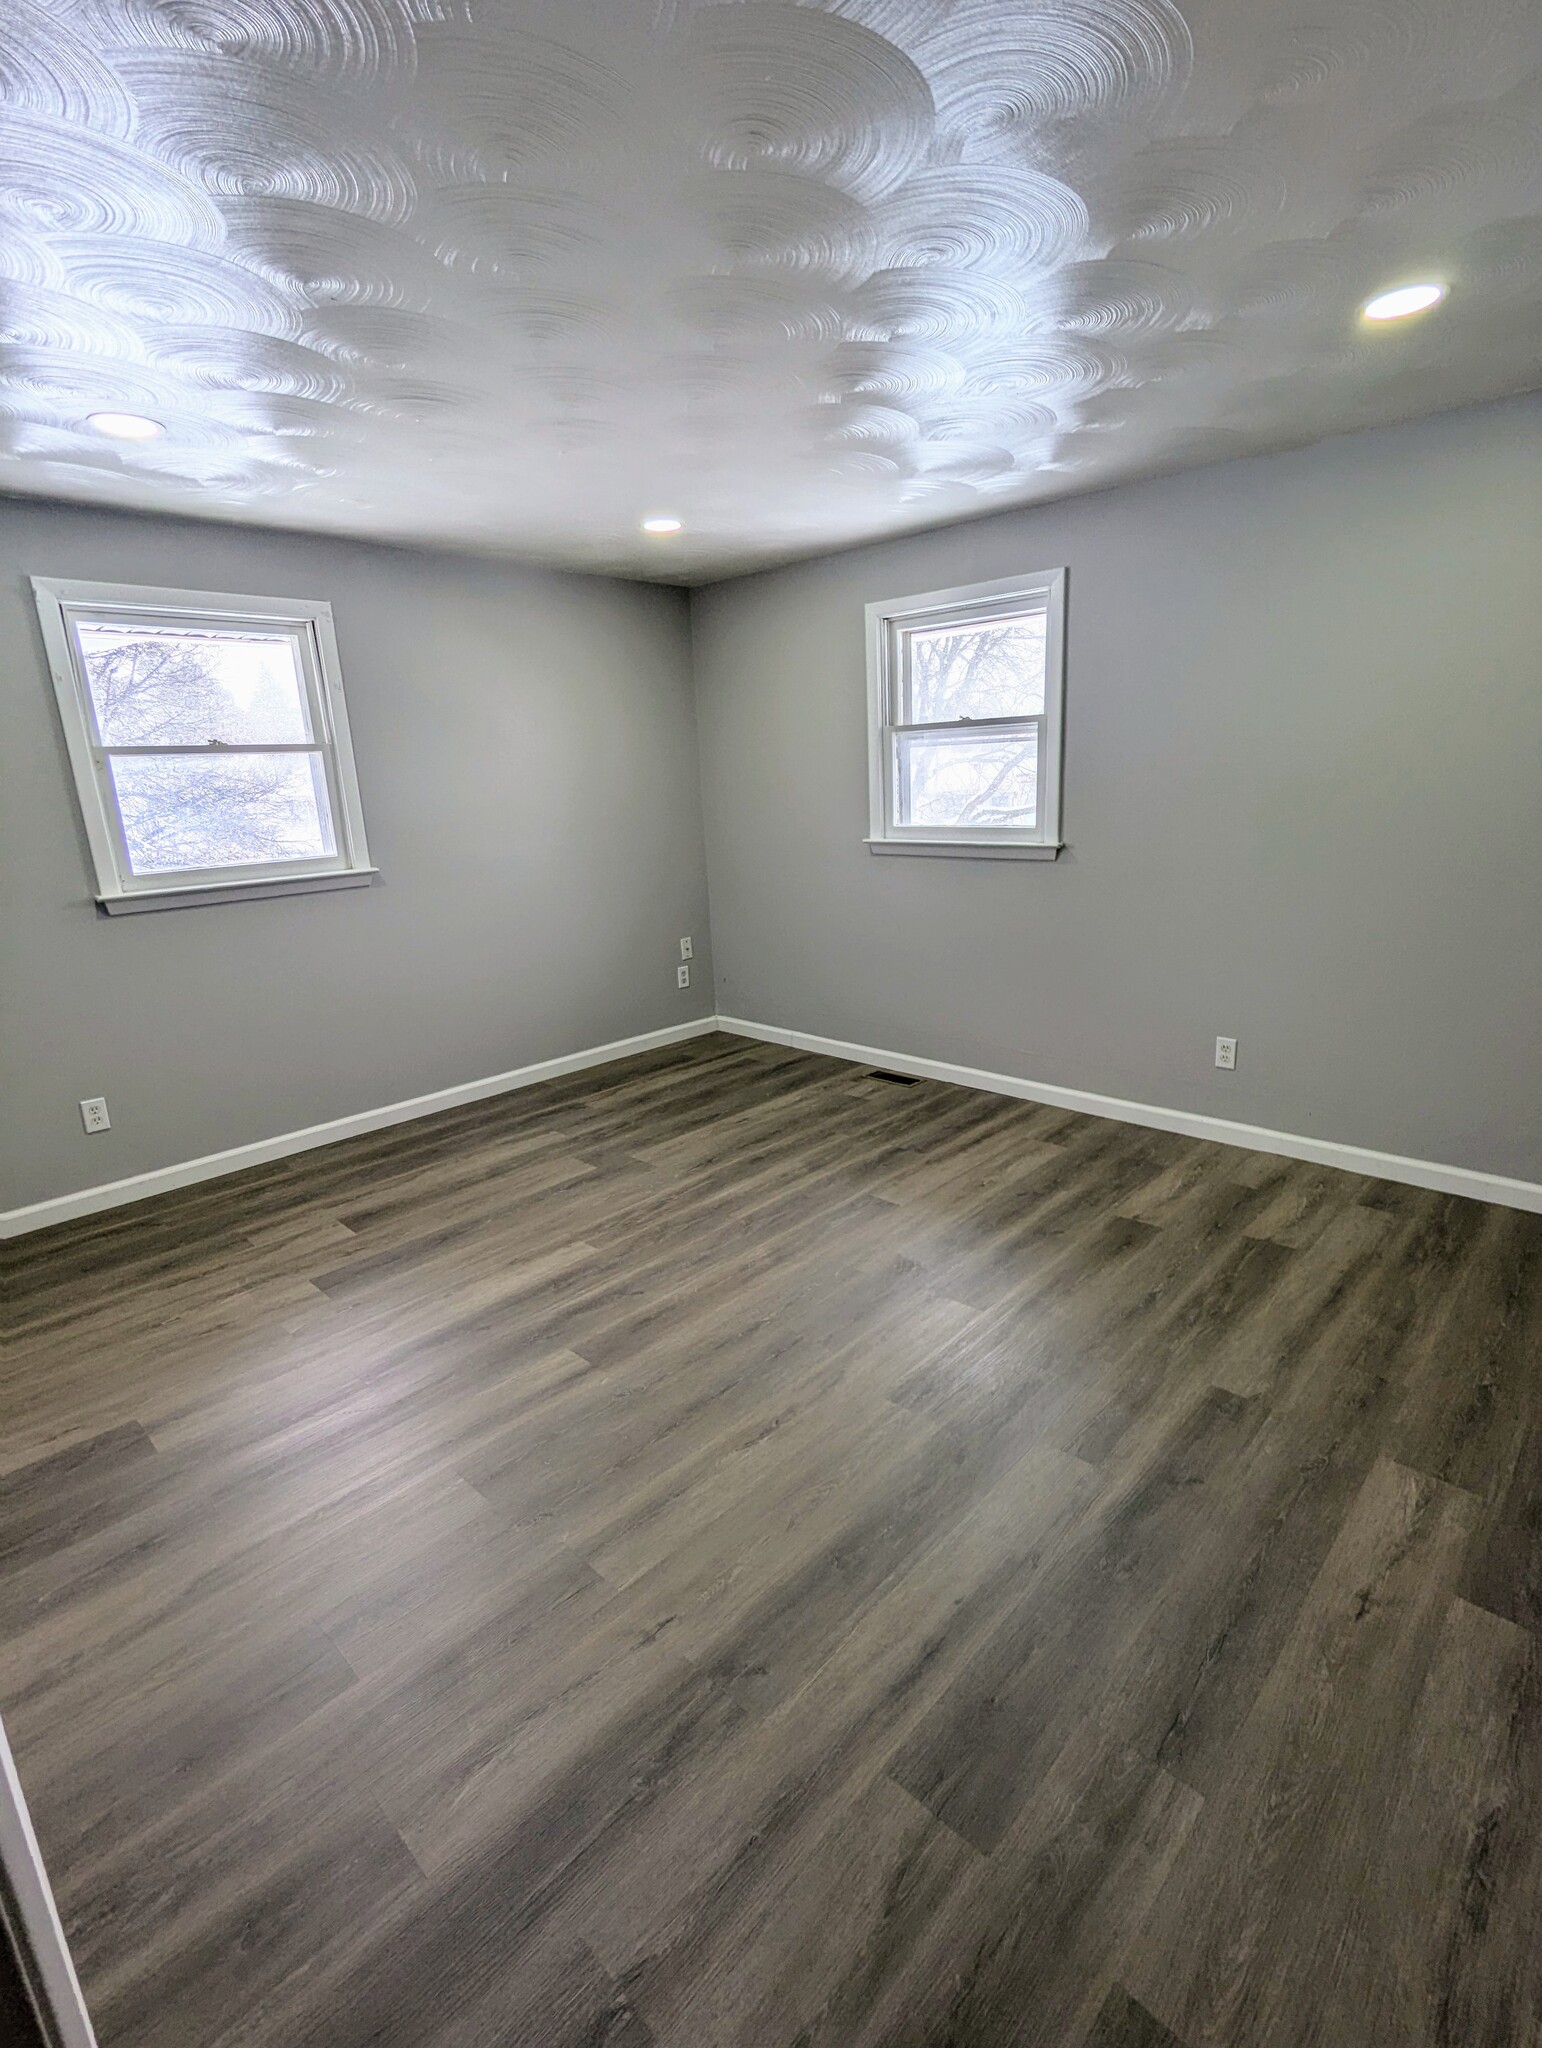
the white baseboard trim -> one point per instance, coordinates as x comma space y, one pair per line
113, 1194
1419, 1173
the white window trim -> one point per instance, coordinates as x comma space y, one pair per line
60, 603
1044, 589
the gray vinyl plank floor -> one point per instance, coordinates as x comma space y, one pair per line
730, 1551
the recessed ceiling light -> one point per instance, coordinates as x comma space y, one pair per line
662, 522
125, 426
1405, 299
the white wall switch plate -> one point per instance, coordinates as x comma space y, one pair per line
93, 1113
687, 950
683, 977
1226, 1052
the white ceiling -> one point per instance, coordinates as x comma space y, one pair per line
512, 275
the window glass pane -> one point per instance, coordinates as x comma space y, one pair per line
232, 810
991, 670
180, 686
967, 779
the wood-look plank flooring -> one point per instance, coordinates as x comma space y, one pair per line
733, 1551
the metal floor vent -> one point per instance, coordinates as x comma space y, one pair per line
904, 1080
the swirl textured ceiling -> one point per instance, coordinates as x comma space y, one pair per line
511, 274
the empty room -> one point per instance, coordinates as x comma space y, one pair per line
771, 1024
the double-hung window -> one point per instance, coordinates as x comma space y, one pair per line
209, 742
965, 703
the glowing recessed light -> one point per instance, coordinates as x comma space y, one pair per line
662, 522
125, 426
1405, 299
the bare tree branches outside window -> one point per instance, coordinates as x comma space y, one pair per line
959, 677
170, 688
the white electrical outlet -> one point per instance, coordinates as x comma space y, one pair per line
687, 950
93, 1113
1226, 1052
682, 977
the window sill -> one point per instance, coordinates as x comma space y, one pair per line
234, 892
967, 849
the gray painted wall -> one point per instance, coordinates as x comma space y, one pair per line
1303, 800
527, 753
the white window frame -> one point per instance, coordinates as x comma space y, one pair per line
888, 624
64, 605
